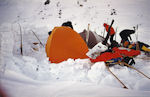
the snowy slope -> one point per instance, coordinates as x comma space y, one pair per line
33, 75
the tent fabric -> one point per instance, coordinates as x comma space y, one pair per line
64, 43
93, 38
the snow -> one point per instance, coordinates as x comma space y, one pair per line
32, 75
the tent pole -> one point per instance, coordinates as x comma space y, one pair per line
88, 32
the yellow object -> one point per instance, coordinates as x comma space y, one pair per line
130, 46
145, 48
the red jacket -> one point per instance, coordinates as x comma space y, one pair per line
106, 56
126, 52
112, 31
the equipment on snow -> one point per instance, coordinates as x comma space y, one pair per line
135, 69
116, 52
108, 63
35, 43
106, 56
129, 60
126, 52
21, 45
96, 50
37, 38
140, 46
107, 66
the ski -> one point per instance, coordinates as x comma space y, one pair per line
107, 66
135, 69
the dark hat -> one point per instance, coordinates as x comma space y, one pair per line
68, 23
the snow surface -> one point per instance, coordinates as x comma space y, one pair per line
32, 75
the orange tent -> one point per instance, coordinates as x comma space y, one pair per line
64, 43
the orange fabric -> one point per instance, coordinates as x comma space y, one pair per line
64, 43
112, 31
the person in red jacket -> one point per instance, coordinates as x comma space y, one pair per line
111, 33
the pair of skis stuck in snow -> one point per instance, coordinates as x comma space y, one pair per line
125, 64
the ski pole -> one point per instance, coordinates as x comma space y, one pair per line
107, 36
104, 32
37, 38
137, 31
116, 33
21, 46
107, 64
137, 46
135, 69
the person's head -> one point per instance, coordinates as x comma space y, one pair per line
105, 24
49, 33
68, 24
